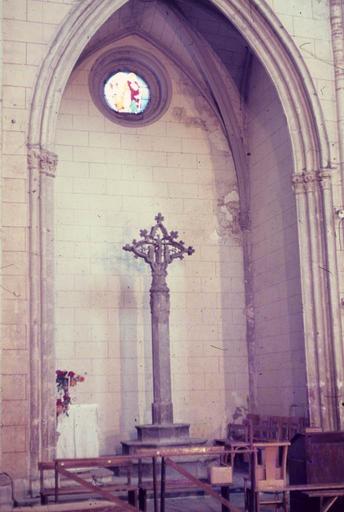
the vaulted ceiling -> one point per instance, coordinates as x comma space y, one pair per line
170, 22
204, 45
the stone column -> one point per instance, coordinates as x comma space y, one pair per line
162, 409
320, 307
319, 295
312, 363
34, 163
336, 333
41, 166
48, 358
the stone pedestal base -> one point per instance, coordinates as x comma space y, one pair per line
163, 432
158, 436
167, 435
130, 447
173, 435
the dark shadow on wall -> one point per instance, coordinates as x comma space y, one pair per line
129, 383
147, 367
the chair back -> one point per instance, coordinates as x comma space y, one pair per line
270, 465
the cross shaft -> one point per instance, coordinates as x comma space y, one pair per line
159, 248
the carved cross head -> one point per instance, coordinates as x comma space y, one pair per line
158, 247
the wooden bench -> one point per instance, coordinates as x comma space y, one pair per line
84, 506
333, 491
85, 485
257, 427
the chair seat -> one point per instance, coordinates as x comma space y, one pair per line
271, 485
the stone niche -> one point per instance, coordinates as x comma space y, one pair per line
111, 180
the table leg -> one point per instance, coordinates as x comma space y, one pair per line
132, 498
155, 486
142, 500
162, 484
226, 495
328, 504
256, 504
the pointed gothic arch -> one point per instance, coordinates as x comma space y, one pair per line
311, 153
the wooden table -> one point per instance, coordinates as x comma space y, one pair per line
166, 457
328, 493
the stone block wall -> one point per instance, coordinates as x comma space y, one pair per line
308, 23
279, 338
111, 181
28, 28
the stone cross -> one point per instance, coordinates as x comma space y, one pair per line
159, 248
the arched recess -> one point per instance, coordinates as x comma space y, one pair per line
284, 64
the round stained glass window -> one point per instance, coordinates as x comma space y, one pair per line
130, 86
126, 92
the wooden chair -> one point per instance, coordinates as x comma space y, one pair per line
263, 429
266, 428
267, 485
244, 431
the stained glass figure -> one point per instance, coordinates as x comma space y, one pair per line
126, 92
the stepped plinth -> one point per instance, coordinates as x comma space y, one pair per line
163, 432
169, 435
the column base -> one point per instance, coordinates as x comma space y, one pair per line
162, 412
154, 437
163, 432
168, 435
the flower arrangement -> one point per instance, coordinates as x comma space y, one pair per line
64, 380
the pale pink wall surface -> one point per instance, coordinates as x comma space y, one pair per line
111, 181
29, 28
281, 375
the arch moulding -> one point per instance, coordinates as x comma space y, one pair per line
284, 64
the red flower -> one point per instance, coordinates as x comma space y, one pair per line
64, 380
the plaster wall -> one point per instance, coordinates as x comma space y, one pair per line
111, 181
28, 28
308, 23
279, 345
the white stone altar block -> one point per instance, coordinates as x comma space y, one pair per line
78, 432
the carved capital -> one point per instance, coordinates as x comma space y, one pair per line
325, 176
34, 157
297, 181
42, 160
305, 182
309, 179
48, 163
